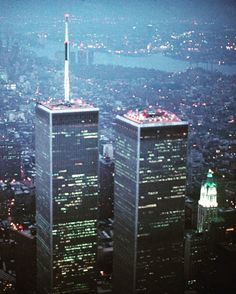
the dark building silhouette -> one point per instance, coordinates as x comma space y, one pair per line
85, 57
210, 251
219, 277
9, 159
106, 181
25, 260
90, 57
196, 258
191, 208
7, 258
82, 57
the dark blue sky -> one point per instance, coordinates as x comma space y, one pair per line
215, 10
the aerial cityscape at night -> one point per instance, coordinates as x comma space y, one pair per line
117, 147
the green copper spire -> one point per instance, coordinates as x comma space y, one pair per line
209, 183
210, 174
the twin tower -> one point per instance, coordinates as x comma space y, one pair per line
150, 177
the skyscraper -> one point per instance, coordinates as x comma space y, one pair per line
150, 176
207, 204
66, 142
197, 256
9, 158
106, 181
67, 190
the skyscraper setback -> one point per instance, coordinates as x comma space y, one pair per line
67, 190
150, 176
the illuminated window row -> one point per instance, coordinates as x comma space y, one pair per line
147, 206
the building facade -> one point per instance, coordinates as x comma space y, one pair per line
196, 258
106, 184
66, 201
10, 160
25, 256
150, 179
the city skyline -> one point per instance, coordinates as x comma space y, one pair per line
141, 200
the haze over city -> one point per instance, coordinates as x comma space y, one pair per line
117, 146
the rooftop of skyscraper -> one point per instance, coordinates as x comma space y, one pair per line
209, 182
151, 115
64, 106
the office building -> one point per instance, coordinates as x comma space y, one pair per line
207, 204
25, 260
85, 56
210, 256
10, 161
66, 196
196, 257
106, 183
191, 207
223, 241
150, 179
202, 245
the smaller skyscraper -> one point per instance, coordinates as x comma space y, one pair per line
196, 258
81, 56
9, 158
106, 181
207, 205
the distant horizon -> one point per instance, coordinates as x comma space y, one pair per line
212, 10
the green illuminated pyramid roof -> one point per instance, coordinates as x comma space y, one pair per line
209, 183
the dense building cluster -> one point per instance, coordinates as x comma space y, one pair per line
135, 188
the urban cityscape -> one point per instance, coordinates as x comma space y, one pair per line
117, 147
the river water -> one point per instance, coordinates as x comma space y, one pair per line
153, 61
159, 62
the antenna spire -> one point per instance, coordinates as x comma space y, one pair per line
66, 73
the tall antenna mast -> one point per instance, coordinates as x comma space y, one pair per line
66, 73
